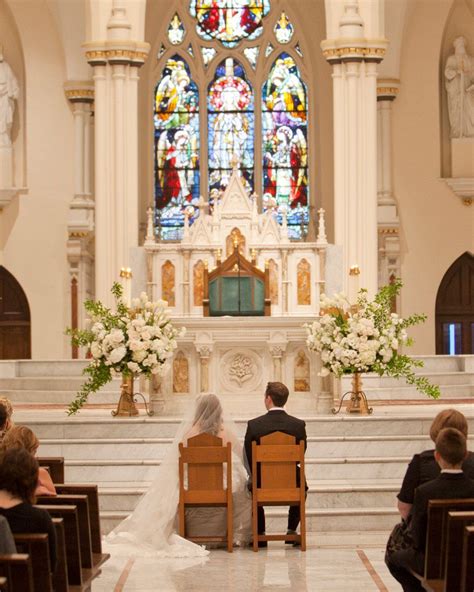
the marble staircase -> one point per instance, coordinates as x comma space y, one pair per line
354, 465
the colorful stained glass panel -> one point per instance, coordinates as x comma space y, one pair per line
208, 54
161, 51
231, 124
176, 30
176, 120
269, 50
285, 155
283, 29
251, 53
229, 21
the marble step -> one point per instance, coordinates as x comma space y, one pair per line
125, 471
156, 448
407, 393
321, 494
165, 427
374, 381
317, 520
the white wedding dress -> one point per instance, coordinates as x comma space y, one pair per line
150, 531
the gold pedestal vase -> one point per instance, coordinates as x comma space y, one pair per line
358, 403
126, 406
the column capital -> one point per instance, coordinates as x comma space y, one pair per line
125, 51
354, 50
79, 91
387, 89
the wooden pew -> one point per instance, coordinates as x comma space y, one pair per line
467, 573
60, 579
457, 522
54, 465
71, 534
94, 516
436, 539
81, 502
17, 570
37, 547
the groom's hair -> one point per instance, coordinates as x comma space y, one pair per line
278, 393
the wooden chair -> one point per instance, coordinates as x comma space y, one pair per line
436, 538
467, 573
37, 547
17, 570
60, 579
274, 477
205, 457
54, 465
457, 522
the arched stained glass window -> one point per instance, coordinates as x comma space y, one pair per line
176, 122
231, 125
285, 153
229, 21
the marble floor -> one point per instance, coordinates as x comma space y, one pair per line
336, 562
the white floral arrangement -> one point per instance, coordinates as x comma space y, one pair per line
366, 337
131, 341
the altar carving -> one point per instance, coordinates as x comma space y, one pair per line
237, 355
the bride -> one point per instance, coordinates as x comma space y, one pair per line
151, 529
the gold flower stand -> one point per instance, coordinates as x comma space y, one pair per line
126, 406
358, 403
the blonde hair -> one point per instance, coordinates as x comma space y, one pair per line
20, 437
449, 418
8, 406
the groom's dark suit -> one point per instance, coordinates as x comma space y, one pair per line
276, 420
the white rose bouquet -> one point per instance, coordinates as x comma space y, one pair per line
366, 337
130, 341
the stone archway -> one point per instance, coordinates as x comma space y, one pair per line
455, 308
15, 326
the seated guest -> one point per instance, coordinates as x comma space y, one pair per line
452, 483
7, 544
276, 420
18, 481
3, 420
8, 423
23, 437
423, 467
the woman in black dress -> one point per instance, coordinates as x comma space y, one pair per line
423, 467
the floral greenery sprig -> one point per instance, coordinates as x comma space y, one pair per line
366, 337
130, 341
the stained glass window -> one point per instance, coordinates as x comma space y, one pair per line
229, 21
230, 126
269, 50
284, 139
251, 53
191, 50
283, 29
176, 122
208, 54
176, 30
161, 51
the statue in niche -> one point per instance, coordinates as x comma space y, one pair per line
459, 75
304, 283
9, 92
180, 374
273, 267
301, 373
198, 283
168, 282
235, 235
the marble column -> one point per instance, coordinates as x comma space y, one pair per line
115, 62
387, 214
277, 351
81, 210
353, 48
204, 352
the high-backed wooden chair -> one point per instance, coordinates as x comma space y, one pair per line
205, 457
274, 477
467, 573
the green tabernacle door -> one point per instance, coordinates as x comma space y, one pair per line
236, 296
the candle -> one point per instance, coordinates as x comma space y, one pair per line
126, 275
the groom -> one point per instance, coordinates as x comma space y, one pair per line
276, 420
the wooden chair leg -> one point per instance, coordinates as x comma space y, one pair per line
303, 526
254, 523
230, 527
182, 520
